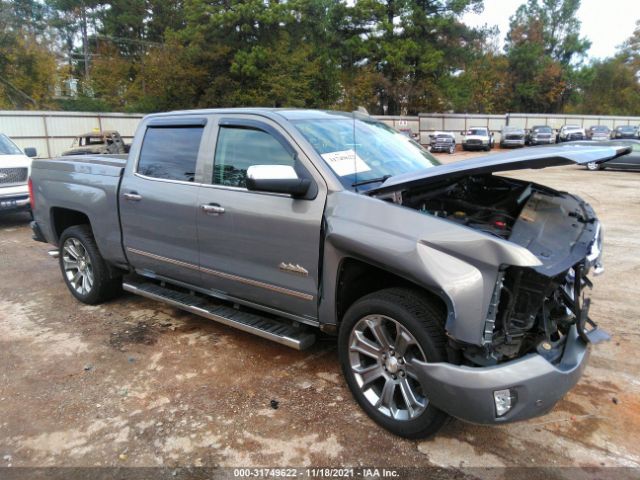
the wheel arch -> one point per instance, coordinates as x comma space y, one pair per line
356, 278
63, 218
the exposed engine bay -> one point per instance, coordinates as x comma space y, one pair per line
532, 309
486, 203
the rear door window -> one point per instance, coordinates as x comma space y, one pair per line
170, 152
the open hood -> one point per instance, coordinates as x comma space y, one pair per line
539, 157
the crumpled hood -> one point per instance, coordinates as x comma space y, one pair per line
501, 162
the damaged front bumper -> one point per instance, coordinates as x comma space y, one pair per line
534, 383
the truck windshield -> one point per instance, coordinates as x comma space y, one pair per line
477, 131
7, 147
377, 152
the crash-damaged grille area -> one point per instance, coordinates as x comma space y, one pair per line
531, 312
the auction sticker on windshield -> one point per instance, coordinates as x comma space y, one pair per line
346, 162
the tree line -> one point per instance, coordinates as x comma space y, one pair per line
389, 56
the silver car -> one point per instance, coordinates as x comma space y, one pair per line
511, 137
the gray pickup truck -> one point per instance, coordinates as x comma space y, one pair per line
452, 291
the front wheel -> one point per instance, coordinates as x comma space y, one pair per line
84, 270
452, 149
383, 339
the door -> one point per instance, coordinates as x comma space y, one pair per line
259, 247
158, 202
627, 162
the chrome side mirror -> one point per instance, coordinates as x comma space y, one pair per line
277, 179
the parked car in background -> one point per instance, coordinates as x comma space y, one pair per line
477, 138
98, 142
598, 132
452, 290
625, 162
442, 142
540, 135
624, 132
15, 167
407, 132
511, 137
569, 133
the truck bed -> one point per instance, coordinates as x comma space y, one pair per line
82, 183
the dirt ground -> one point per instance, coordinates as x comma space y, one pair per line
136, 383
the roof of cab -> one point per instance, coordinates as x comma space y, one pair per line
287, 113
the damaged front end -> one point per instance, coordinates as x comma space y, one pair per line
531, 308
536, 329
516, 277
532, 312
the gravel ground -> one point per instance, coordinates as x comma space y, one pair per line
136, 383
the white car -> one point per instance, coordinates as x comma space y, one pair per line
570, 133
477, 138
15, 168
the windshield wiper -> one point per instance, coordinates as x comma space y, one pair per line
371, 180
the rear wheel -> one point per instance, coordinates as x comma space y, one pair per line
383, 339
84, 270
593, 166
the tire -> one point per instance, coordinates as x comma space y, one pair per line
464, 147
393, 310
487, 148
83, 269
593, 166
452, 149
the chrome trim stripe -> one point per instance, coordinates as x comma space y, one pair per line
228, 276
163, 259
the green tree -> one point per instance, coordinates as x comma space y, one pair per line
611, 86
542, 47
414, 45
27, 67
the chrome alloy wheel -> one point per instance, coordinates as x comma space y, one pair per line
382, 354
77, 266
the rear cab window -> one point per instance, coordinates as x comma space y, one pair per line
170, 152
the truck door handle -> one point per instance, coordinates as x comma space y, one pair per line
133, 196
212, 209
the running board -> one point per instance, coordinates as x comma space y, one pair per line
269, 328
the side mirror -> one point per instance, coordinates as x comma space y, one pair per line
30, 152
276, 179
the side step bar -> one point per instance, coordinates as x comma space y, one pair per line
278, 331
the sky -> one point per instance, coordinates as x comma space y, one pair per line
607, 23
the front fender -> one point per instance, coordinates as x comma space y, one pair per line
457, 263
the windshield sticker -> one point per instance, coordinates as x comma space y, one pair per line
346, 162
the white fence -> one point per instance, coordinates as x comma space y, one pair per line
52, 132
427, 123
